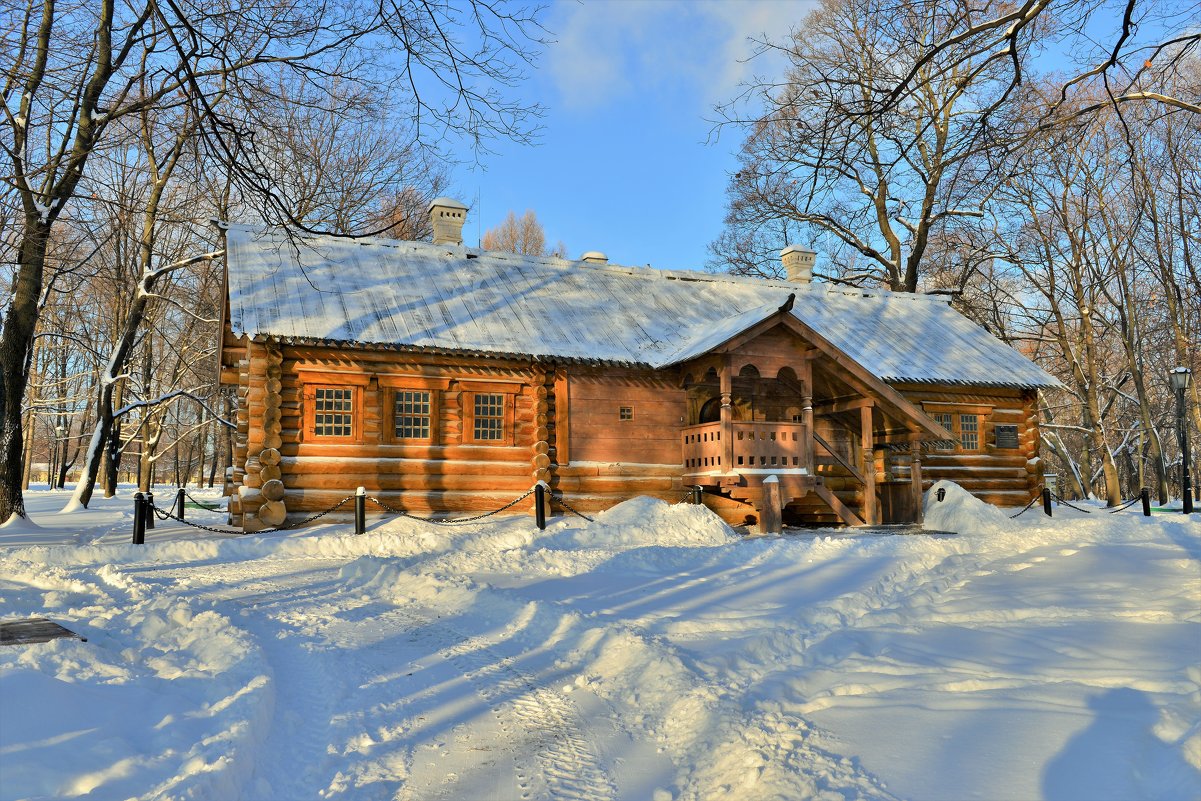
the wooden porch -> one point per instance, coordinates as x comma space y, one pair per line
737, 461
771, 407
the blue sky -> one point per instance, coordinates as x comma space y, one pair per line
624, 165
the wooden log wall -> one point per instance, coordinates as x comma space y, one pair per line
651, 436
1000, 476
566, 429
611, 459
595, 486
283, 470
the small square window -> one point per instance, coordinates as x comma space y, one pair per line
625, 413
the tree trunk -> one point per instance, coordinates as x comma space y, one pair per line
16, 343
112, 449
28, 468
202, 437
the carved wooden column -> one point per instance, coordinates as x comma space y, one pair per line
807, 419
915, 477
727, 416
869, 466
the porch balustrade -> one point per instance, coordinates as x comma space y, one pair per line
757, 446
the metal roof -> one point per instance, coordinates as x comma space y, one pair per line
420, 296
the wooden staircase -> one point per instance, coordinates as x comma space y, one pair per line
809, 501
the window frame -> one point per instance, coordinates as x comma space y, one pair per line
392, 383
957, 412
393, 395
467, 395
310, 412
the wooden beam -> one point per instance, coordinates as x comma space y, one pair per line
839, 508
845, 464
810, 432
870, 508
771, 512
562, 417
843, 406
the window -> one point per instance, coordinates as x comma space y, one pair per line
625, 413
489, 417
969, 432
965, 429
412, 414
944, 420
333, 412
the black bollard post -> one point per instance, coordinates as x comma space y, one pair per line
1046, 501
360, 510
696, 493
941, 494
179, 503
540, 505
139, 519
1145, 494
149, 515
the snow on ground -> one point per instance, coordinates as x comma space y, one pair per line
651, 654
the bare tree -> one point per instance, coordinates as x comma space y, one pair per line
876, 188
72, 72
523, 235
1126, 47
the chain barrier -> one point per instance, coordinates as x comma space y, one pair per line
1070, 506
457, 522
163, 514
1126, 505
559, 500
188, 495
1033, 501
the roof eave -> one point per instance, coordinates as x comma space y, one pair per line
440, 351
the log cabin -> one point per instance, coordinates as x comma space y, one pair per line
446, 379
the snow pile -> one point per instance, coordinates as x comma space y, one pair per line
161, 702
650, 654
962, 512
645, 522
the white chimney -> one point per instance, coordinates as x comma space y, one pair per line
447, 217
595, 257
798, 263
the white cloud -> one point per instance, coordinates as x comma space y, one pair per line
607, 50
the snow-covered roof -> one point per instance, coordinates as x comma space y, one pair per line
452, 298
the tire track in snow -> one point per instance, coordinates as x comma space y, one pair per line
556, 759
260, 599
567, 762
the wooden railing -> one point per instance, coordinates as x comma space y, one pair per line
755, 446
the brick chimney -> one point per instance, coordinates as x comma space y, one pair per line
798, 263
595, 257
447, 217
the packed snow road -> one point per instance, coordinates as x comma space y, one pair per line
652, 654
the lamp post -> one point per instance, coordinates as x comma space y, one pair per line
1180, 378
59, 433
